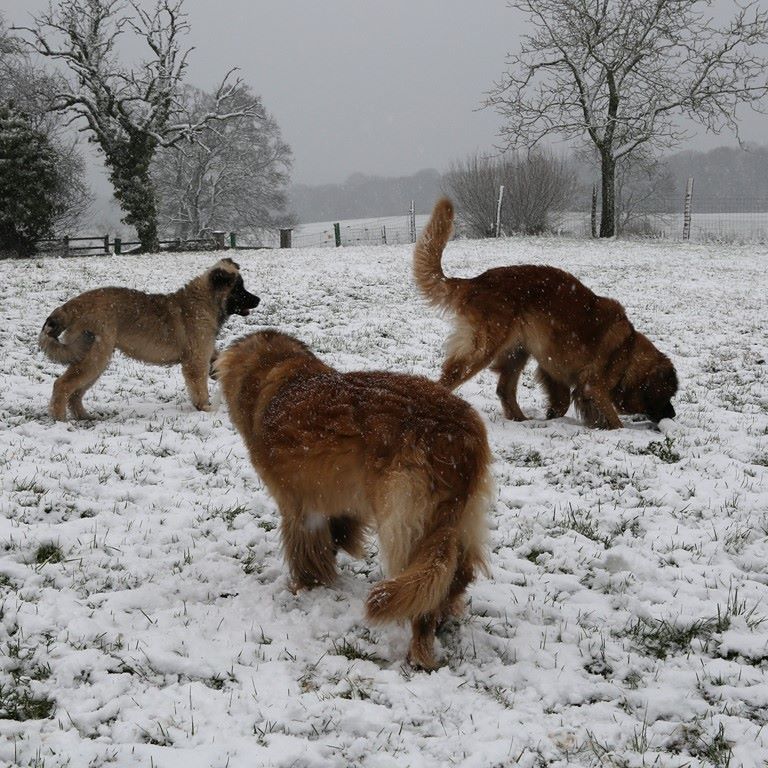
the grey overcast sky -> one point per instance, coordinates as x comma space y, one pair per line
383, 88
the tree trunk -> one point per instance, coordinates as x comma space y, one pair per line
134, 190
608, 196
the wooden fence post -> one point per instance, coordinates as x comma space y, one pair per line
285, 238
412, 221
118, 245
384, 234
337, 233
106, 243
593, 212
498, 212
687, 209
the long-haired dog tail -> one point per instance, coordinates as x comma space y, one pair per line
423, 586
65, 352
428, 254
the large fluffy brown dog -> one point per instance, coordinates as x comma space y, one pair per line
583, 343
343, 452
164, 329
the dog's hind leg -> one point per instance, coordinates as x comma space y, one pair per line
558, 394
308, 548
421, 653
465, 574
509, 367
69, 388
347, 533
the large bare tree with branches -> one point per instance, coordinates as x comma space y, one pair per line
621, 72
128, 112
232, 176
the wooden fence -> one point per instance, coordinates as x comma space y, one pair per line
92, 245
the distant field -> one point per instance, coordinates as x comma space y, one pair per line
145, 615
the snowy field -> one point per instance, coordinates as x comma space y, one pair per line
145, 617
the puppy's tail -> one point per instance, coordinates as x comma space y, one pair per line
65, 352
428, 254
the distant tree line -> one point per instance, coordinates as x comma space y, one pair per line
541, 186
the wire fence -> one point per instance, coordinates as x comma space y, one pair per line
712, 219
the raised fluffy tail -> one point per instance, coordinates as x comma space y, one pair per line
427, 256
65, 352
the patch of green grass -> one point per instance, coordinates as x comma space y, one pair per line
662, 450
713, 749
661, 638
351, 650
582, 522
17, 702
48, 553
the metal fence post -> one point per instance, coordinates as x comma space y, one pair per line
412, 221
498, 212
687, 209
232, 240
285, 238
337, 233
118, 245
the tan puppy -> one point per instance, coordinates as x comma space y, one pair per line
342, 452
163, 329
584, 343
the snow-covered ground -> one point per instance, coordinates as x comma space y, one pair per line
145, 617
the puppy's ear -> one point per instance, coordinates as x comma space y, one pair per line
227, 260
221, 278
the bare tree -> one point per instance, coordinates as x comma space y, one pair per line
474, 184
129, 113
537, 187
230, 176
620, 71
645, 186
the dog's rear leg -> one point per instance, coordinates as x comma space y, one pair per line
595, 406
558, 394
421, 653
70, 387
195, 372
465, 574
347, 533
309, 549
510, 367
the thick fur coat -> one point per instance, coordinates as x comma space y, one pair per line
162, 329
345, 452
585, 346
